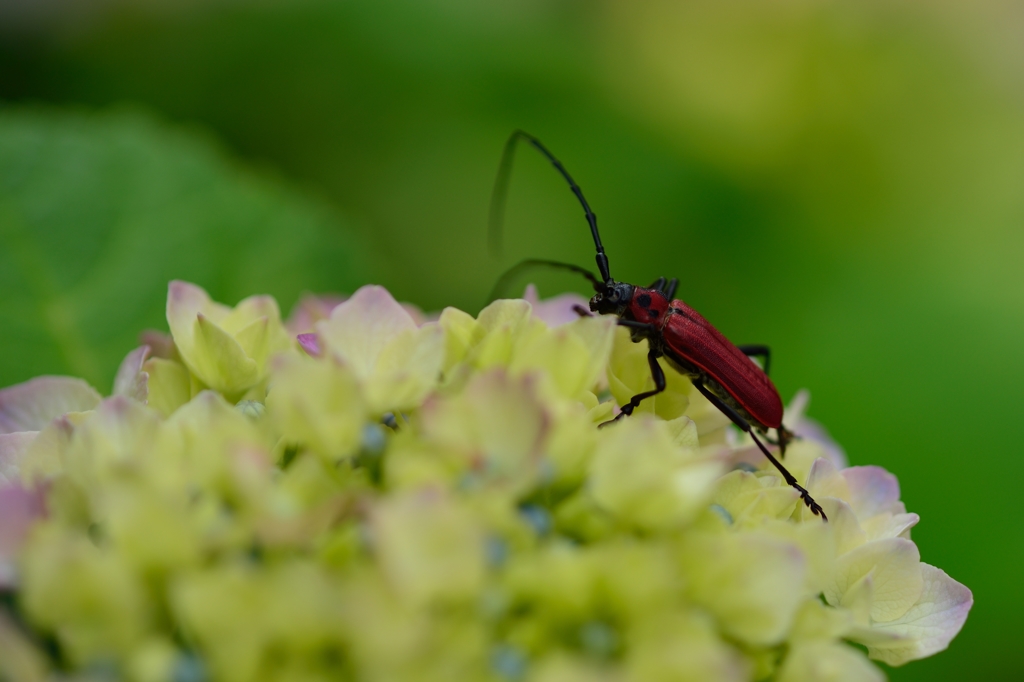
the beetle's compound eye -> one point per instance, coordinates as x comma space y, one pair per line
612, 295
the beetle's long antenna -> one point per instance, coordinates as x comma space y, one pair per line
501, 190
513, 272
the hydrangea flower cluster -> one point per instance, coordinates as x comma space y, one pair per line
368, 495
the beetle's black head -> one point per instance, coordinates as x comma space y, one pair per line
612, 298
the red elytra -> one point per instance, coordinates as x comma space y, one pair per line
690, 340
720, 370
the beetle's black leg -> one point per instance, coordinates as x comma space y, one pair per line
658, 285
745, 426
633, 324
670, 291
659, 385
758, 350
785, 437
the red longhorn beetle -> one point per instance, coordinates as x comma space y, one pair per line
720, 370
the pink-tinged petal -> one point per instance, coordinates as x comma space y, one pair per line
310, 343
185, 303
161, 344
555, 311
813, 431
929, 626
19, 508
873, 490
32, 405
13, 447
360, 328
311, 309
131, 380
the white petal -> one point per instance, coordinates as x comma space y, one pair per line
894, 570
824, 480
843, 522
929, 625
889, 525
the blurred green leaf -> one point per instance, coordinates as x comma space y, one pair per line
99, 211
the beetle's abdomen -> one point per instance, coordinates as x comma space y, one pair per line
688, 335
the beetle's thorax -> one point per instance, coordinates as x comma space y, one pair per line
648, 306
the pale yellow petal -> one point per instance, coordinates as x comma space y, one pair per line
629, 374
169, 385
574, 355
460, 331
407, 369
892, 568
827, 662
430, 548
816, 621
219, 360
642, 478
683, 647
317, 403
751, 582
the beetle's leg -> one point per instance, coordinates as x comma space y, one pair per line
668, 290
658, 285
633, 324
659, 385
745, 426
640, 330
758, 350
581, 311
785, 437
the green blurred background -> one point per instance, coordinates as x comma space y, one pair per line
841, 179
